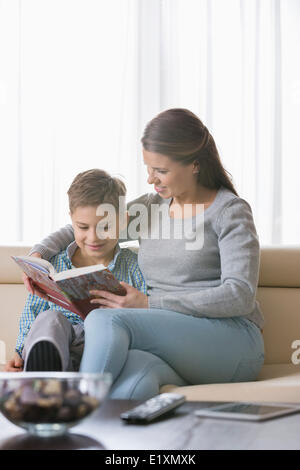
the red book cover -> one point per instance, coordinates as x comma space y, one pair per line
72, 292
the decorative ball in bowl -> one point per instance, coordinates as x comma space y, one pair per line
49, 403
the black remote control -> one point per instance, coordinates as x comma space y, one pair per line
153, 408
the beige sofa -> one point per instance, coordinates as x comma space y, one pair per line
278, 294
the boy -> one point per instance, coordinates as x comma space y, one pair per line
51, 338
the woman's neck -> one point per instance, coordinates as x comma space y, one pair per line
201, 195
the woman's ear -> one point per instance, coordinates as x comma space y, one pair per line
195, 168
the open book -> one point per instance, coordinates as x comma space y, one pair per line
70, 288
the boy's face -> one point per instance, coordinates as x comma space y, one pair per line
94, 235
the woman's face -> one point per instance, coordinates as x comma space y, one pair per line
170, 179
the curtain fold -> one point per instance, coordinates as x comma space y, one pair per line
79, 80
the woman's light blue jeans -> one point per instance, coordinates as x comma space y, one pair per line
144, 349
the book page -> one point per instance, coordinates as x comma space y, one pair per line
75, 272
35, 263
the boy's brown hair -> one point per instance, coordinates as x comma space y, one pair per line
94, 187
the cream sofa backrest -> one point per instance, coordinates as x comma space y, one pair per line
278, 294
12, 298
279, 297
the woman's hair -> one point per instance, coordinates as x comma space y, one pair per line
180, 135
94, 187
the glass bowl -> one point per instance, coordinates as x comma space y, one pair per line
49, 403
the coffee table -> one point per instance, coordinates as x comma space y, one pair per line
178, 431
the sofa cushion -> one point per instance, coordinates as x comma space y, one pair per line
281, 309
12, 297
276, 382
279, 266
10, 273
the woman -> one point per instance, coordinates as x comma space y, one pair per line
200, 322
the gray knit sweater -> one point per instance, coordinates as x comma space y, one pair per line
205, 266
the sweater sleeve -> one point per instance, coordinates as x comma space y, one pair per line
239, 256
55, 242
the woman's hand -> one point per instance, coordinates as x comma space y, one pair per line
29, 284
133, 298
15, 364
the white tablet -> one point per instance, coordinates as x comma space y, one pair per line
246, 411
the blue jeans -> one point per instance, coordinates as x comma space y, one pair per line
144, 349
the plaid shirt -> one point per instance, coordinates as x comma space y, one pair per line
124, 266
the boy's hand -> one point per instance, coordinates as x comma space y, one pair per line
15, 364
29, 284
133, 299
27, 281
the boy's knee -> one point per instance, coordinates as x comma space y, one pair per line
49, 316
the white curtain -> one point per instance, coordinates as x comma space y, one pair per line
79, 79
69, 87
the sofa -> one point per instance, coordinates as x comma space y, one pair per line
278, 294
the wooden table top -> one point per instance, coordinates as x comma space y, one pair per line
179, 430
